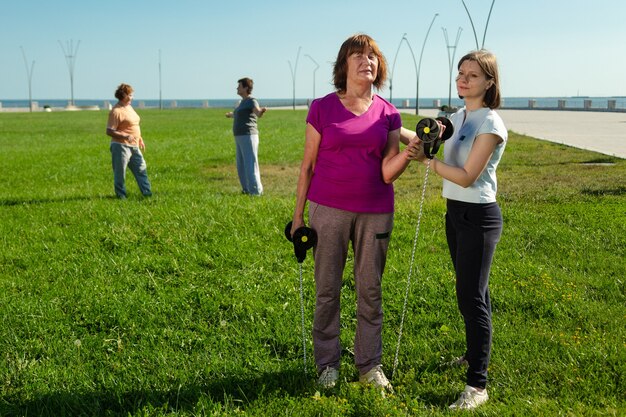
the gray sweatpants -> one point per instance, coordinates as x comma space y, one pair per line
369, 234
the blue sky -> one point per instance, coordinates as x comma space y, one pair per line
545, 48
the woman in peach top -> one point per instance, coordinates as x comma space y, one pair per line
127, 143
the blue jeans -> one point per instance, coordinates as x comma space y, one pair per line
248, 164
123, 156
473, 231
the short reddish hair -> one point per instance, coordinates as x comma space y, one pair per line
357, 43
123, 91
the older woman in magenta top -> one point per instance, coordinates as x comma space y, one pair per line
351, 158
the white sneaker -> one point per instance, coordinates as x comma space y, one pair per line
470, 398
328, 378
376, 377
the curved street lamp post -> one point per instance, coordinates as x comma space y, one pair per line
393, 68
293, 76
29, 75
451, 59
70, 58
417, 66
314, 70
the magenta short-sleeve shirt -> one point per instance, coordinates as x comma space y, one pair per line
348, 173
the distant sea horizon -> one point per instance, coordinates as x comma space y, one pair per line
617, 103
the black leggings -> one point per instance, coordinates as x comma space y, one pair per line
473, 230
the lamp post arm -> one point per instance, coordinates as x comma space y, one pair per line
293, 76
393, 68
471, 22
29, 74
416, 71
314, 71
487, 24
451, 59
419, 66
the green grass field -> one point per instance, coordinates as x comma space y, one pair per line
187, 303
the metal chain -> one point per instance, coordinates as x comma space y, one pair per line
302, 316
408, 280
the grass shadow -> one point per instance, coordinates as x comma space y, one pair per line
617, 191
601, 160
226, 391
9, 202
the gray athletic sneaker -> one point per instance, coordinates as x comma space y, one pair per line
469, 399
376, 377
328, 378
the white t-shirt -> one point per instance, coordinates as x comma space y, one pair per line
467, 126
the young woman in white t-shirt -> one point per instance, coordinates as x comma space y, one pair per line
473, 218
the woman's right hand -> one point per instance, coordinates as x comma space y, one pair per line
415, 150
296, 223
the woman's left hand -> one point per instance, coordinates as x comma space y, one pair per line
142, 145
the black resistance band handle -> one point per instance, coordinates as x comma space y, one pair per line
432, 135
304, 238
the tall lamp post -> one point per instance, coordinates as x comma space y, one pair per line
293, 76
29, 75
419, 65
314, 70
393, 67
451, 59
160, 89
70, 59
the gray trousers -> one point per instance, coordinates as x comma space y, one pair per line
369, 234
247, 152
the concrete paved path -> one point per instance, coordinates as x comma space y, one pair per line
603, 132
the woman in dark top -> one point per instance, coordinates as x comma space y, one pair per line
246, 134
